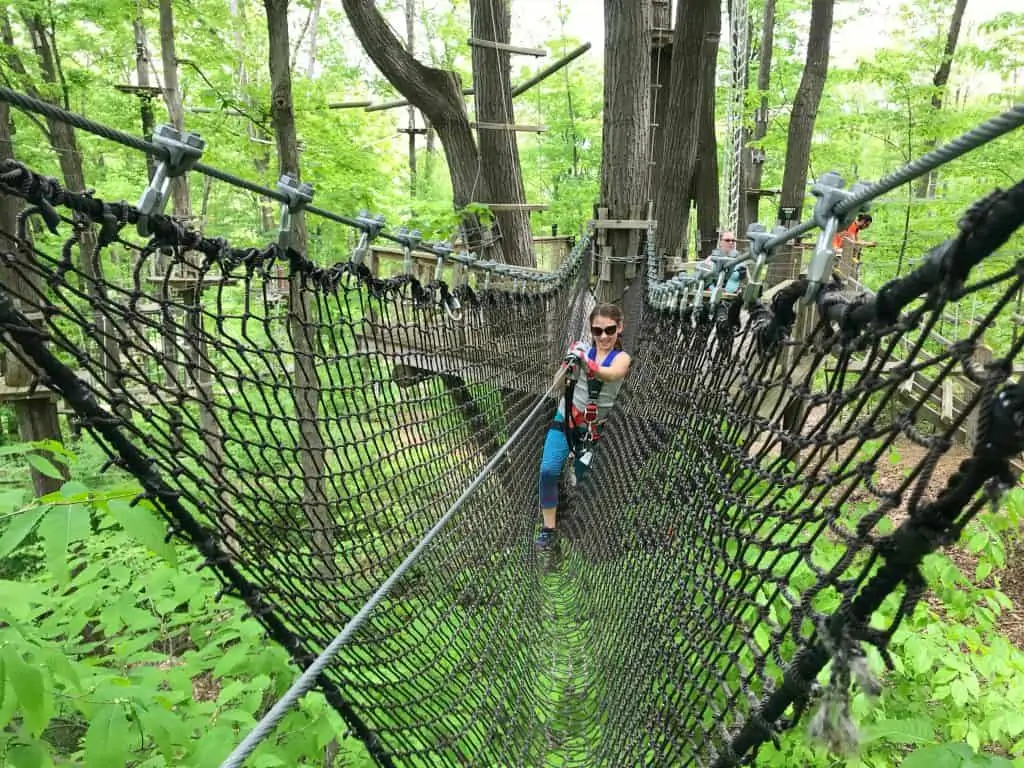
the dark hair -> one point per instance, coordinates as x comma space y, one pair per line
865, 217
612, 311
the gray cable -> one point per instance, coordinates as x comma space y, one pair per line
974, 138
54, 112
307, 680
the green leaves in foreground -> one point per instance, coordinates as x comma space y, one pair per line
112, 655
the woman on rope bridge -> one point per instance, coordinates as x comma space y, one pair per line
593, 376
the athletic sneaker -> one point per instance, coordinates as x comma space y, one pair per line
546, 538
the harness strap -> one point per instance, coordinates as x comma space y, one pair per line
588, 418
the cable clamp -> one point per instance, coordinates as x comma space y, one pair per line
297, 197
371, 228
183, 152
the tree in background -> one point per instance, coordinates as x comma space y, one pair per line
490, 173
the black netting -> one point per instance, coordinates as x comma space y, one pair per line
306, 431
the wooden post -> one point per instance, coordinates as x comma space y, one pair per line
982, 357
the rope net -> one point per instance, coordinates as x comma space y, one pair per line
713, 578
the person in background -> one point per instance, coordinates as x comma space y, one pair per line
851, 236
727, 247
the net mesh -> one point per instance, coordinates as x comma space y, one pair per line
731, 556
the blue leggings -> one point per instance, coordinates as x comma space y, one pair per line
556, 451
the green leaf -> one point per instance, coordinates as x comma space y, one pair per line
231, 661
164, 728
983, 570
108, 738
28, 683
911, 731
34, 755
939, 756
43, 466
145, 526
61, 666
18, 528
61, 526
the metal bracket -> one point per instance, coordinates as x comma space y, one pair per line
442, 251
183, 151
298, 196
370, 229
757, 235
409, 241
830, 193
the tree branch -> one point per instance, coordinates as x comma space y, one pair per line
435, 92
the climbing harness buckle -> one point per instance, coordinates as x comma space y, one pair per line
183, 151
297, 196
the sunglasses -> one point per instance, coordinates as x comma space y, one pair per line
608, 330
729, 240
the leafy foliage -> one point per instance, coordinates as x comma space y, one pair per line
132, 662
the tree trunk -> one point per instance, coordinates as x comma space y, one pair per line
749, 211
661, 73
260, 155
705, 178
142, 65
172, 97
314, 23
805, 107
693, 41
925, 186
627, 117
301, 317
410, 43
37, 418
498, 148
437, 94
65, 145
191, 293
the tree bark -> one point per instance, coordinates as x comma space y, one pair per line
301, 317
498, 148
925, 186
437, 94
661, 73
805, 107
37, 418
693, 41
625, 135
142, 65
705, 179
260, 156
65, 145
192, 294
749, 211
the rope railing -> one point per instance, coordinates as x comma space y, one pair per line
365, 225
659, 597
684, 289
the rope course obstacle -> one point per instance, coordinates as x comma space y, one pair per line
713, 584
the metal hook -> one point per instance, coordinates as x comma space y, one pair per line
183, 151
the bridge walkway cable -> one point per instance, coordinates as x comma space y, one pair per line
716, 567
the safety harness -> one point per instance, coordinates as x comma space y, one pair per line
582, 429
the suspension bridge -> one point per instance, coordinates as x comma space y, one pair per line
356, 461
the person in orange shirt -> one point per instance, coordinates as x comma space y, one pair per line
851, 235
